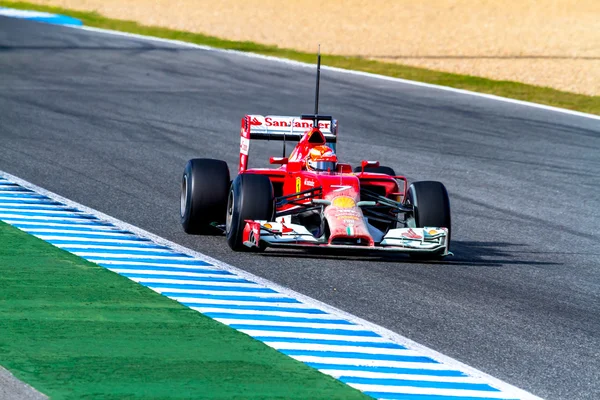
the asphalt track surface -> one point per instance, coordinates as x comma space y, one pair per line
110, 122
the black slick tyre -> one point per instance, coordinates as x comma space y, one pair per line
378, 170
431, 206
250, 198
204, 188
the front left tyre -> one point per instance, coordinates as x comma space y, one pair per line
204, 189
250, 198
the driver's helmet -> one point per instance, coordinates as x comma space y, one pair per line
321, 158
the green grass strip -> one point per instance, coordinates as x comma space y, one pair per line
515, 90
74, 330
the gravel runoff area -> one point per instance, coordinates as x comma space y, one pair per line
552, 43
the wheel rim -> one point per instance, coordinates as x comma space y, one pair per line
184, 189
229, 212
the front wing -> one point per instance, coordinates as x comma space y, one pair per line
263, 234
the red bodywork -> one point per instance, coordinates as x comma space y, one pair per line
340, 187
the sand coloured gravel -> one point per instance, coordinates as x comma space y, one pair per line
552, 43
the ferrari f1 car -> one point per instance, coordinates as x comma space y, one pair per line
311, 200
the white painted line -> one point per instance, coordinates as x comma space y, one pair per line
343, 71
386, 335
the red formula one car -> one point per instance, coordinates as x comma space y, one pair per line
311, 200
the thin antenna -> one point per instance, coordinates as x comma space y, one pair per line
316, 122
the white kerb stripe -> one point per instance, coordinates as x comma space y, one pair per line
100, 239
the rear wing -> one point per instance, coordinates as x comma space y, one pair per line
275, 127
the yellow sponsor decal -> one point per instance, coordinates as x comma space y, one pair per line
344, 202
268, 226
298, 184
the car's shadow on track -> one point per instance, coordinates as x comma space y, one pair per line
465, 253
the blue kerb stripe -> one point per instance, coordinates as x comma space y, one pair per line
137, 252
362, 356
30, 201
325, 331
23, 222
253, 308
184, 278
404, 396
195, 270
387, 370
424, 384
379, 345
263, 317
91, 236
91, 227
105, 260
31, 195
4, 188
249, 290
257, 289
36, 207
48, 214
235, 298
65, 245
196, 278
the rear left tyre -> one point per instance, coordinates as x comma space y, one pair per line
204, 188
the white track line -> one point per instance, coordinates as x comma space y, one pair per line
447, 362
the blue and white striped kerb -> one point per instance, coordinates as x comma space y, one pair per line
39, 16
352, 353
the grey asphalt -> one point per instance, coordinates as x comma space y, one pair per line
110, 122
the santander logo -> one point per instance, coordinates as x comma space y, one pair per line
269, 121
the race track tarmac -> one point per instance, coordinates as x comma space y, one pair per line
110, 122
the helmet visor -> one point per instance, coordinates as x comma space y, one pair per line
323, 165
